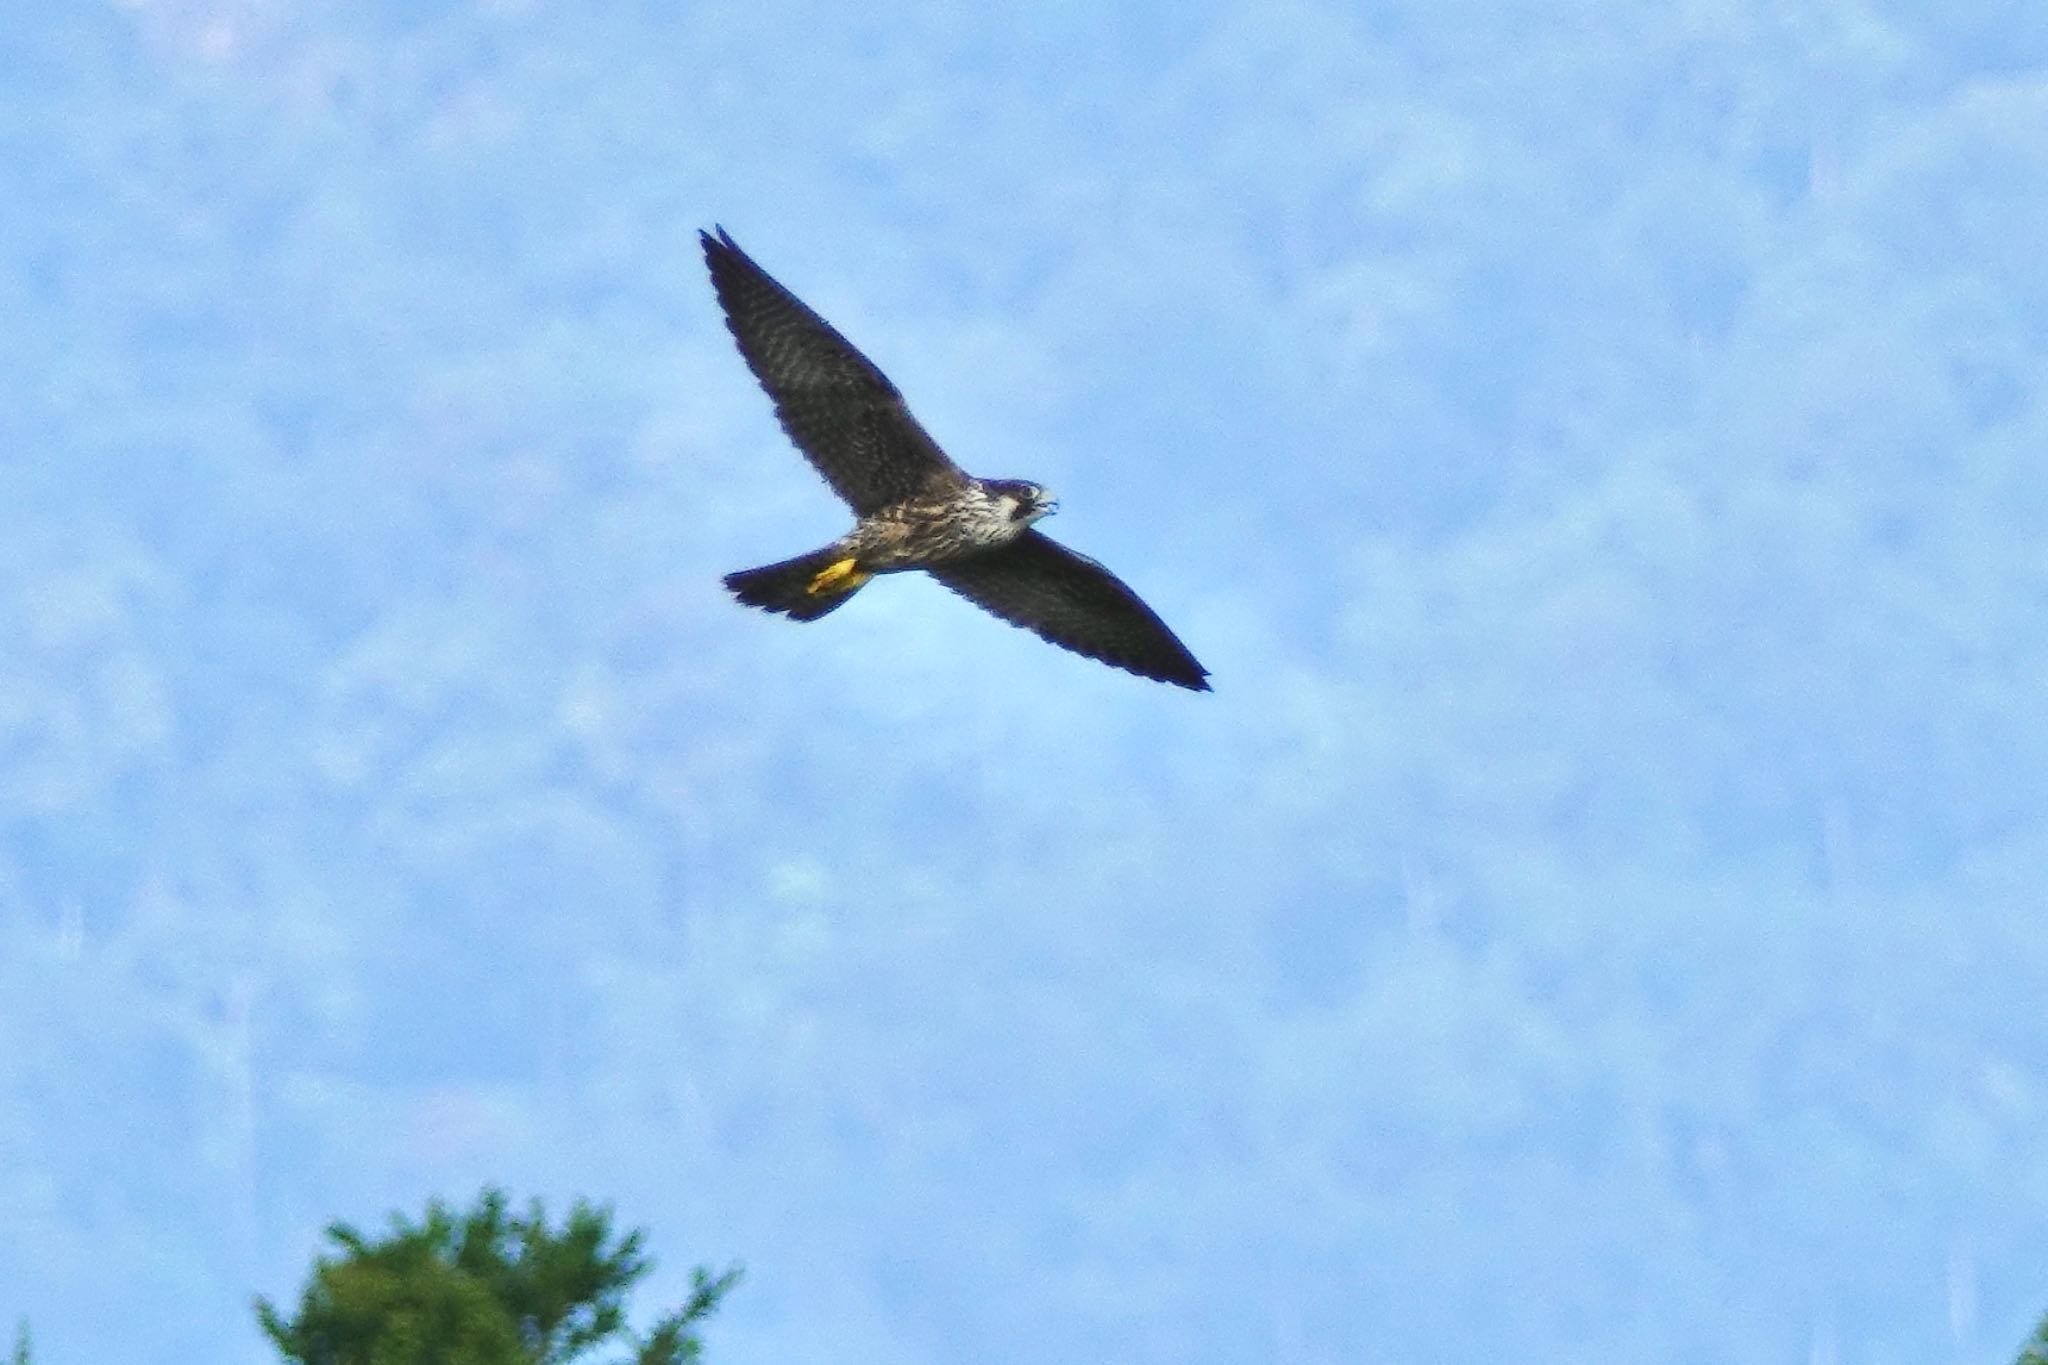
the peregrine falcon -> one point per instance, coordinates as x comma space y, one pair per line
913, 507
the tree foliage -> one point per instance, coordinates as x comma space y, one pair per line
2035, 1352
485, 1287
1615, 854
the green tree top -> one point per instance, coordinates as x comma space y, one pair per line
485, 1287
2035, 1352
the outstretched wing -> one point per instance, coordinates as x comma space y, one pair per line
842, 412
1069, 599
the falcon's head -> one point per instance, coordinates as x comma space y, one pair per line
1022, 502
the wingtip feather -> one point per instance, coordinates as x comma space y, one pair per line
1194, 679
717, 242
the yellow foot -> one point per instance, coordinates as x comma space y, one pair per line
838, 576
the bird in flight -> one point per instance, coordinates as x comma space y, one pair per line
913, 507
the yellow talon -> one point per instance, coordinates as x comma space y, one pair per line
838, 576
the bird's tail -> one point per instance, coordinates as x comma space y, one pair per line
803, 588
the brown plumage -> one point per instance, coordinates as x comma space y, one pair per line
915, 508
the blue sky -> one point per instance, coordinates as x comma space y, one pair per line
1597, 449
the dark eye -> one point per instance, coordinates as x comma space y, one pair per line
1021, 508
